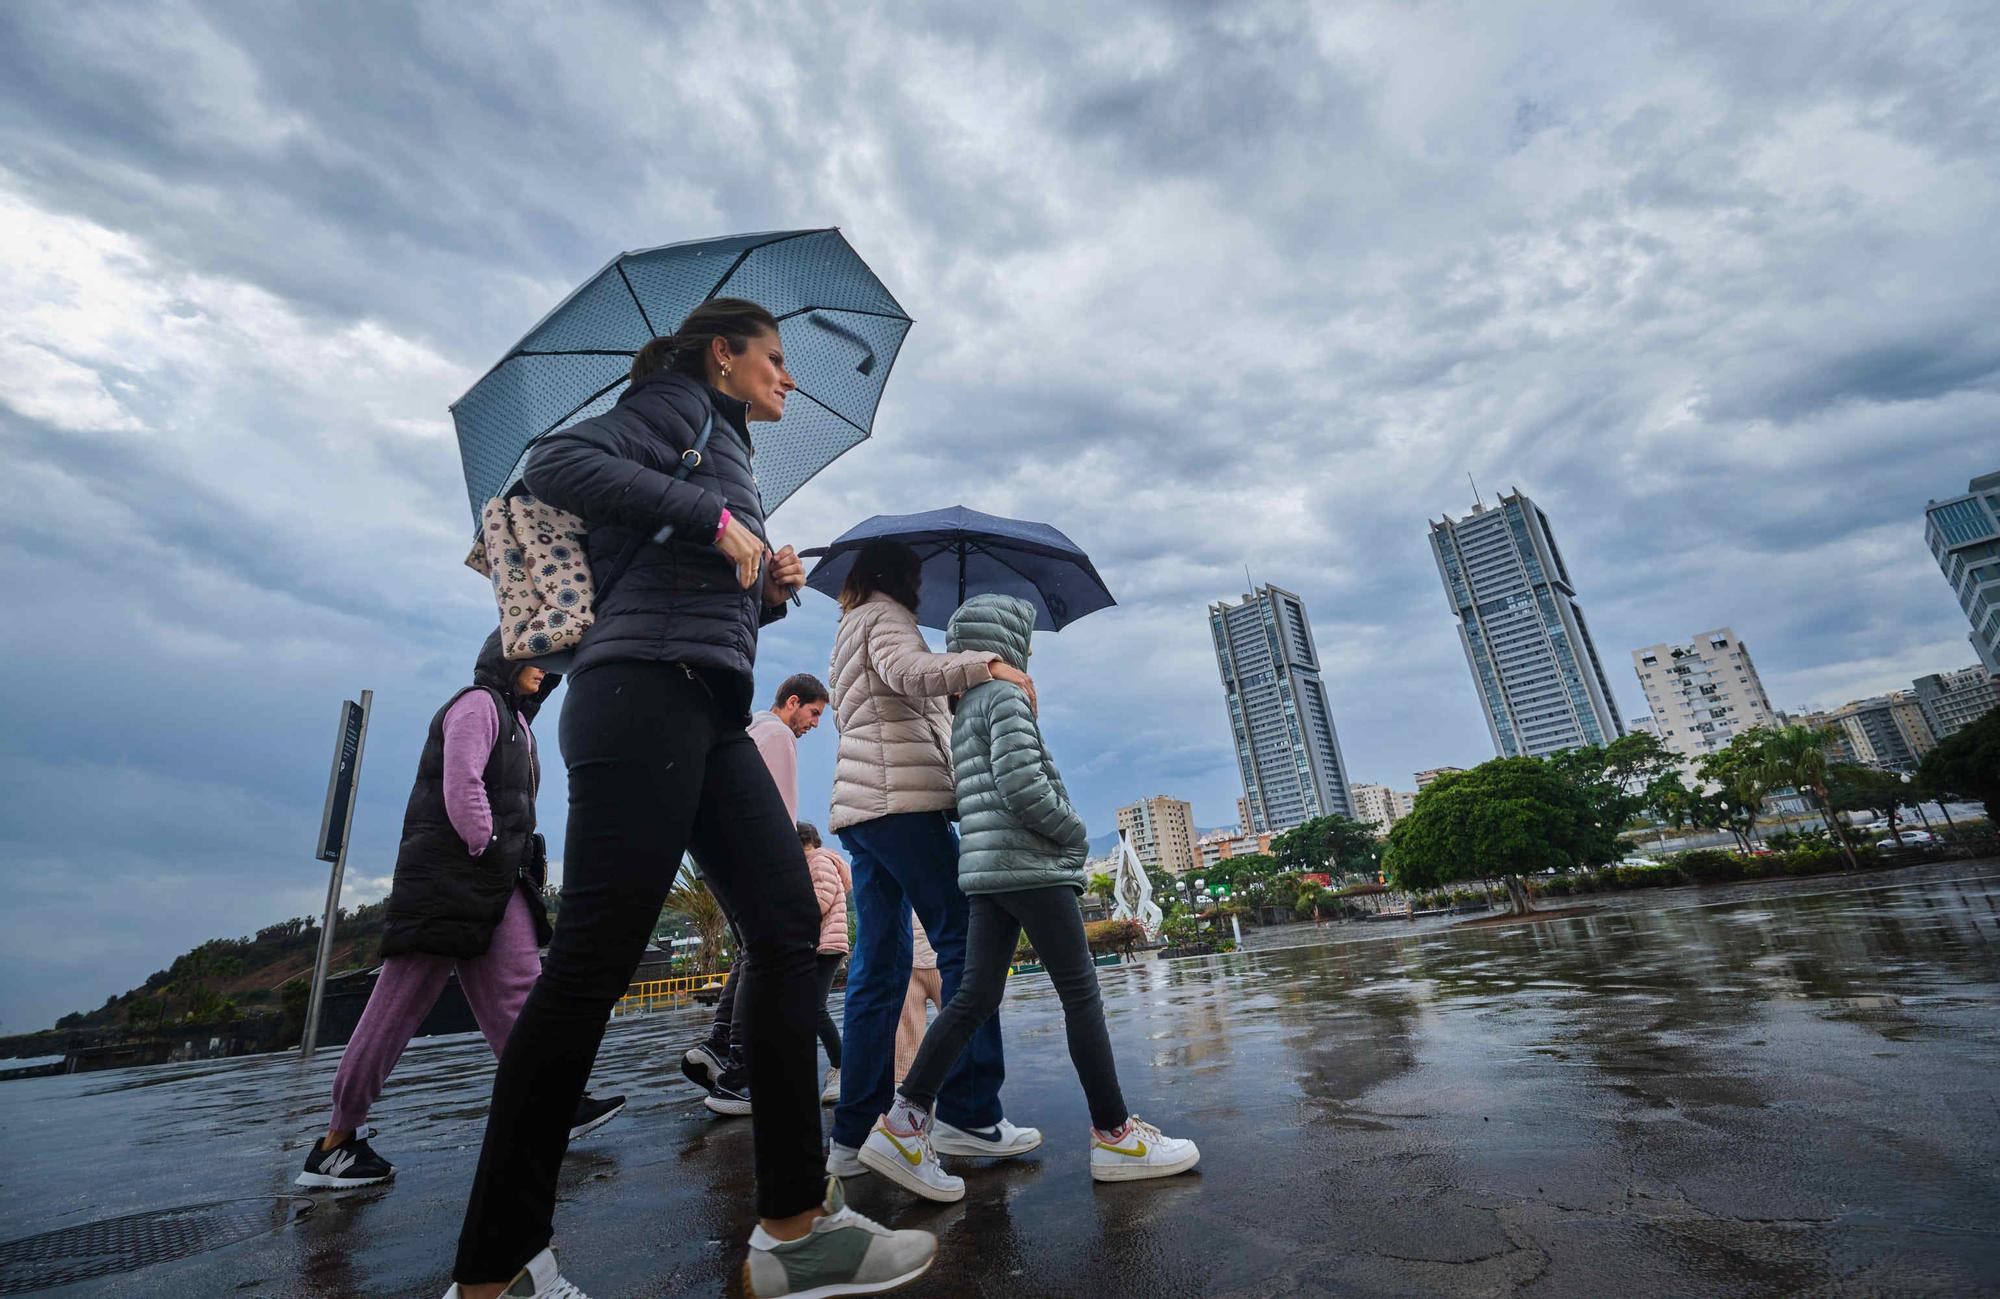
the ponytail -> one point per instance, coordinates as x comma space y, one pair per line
734, 320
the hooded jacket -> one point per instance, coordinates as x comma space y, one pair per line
445, 901
889, 692
1017, 827
832, 882
677, 602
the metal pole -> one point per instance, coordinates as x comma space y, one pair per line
325, 958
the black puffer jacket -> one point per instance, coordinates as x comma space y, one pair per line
678, 602
445, 901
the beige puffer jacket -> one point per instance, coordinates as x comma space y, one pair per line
889, 694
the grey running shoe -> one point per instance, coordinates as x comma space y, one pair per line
540, 1279
844, 1254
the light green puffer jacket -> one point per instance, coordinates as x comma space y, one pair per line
1017, 829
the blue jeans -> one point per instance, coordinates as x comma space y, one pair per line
907, 860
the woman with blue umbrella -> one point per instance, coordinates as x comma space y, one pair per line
660, 764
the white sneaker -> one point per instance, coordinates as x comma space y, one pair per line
843, 1254
841, 1161
1139, 1152
830, 1093
1001, 1141
540, 1279
909, 1162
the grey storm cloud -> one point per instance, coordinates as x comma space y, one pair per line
1209, 287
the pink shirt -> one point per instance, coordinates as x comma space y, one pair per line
471, 729
780, 750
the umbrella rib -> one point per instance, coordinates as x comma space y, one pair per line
627, 282
578, 351
849, 311
754, 248
831, 411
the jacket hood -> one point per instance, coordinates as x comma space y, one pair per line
994, 624
493, 671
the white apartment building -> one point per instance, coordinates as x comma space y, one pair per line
1702, 694
1381, 807
1161, 832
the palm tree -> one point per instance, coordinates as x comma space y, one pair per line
1796, 756
692, 900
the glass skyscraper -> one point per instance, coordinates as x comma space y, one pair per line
1524, 636
1964, 536
1286, 748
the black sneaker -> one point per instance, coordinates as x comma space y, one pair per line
703, 1066
351, 1163
731, 1095
592, 1114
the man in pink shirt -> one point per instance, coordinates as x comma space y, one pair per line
715, 1065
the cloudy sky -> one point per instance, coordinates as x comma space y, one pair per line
1205, 286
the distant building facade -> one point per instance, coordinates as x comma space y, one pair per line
1702, 693
1378, 806
1287, 750
1161, 832
1888, 731
1964, 536
1220, 845
1952, 701
1533, 664
1424, 778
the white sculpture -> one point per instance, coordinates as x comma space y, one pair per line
1132, 891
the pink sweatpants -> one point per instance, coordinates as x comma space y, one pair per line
496, 985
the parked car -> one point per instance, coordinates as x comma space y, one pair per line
1908, 837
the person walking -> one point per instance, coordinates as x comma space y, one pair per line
660, 762
832, 881
716, 1064
924, 992
892, 811
467, 897
1022, 863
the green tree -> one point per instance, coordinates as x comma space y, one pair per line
1967, 764
1509, 817
1101, 886
1235, 874
1741, 783
1854, 788
1614, 781
1328, 844
691, 900
1796, 756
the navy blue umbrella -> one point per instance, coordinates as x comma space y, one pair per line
841, 329
966, 553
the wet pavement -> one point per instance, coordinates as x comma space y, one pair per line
1773, 1089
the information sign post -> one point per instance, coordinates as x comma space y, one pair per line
335, 823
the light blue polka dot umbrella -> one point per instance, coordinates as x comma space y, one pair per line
841, 329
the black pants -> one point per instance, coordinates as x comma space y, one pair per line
656, 766
829, 1032
1055, 929
725, 1034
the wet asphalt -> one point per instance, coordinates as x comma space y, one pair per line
1770, 1089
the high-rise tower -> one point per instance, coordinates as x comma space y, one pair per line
1286, 747
1964, 535
1524, 637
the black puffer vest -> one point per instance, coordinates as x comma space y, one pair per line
445, 901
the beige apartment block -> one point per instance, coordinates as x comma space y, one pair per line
1220, 845
1702, 694
1424, 778
1161, 832
1381, 807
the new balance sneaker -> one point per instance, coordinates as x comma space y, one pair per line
830, 1092
704, 1066
1138, 1151
592, 1114
908, 1160
731, 1095
540, 1279
351, 1163
843, 1161
844, 1254
1001, 1141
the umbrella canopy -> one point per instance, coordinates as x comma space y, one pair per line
966, 553
841, 330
